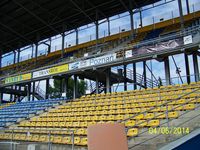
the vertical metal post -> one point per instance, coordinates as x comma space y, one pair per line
125, 81
134, 76
97, 30
108, 89
47, 89
18, 57
33, 95
141, 22
0, 58
1, 97
14, 59
75, 87
28, 91
132, 23
108, 26
167, 71
73, 140
196, 66
36, 52
181, 14
97, 84
188, 6
63, 45
66, 86
187, 68
76, 36
145, 73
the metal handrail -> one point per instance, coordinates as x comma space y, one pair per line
166, 103
153, 41
162, 124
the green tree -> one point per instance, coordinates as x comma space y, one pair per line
81, 84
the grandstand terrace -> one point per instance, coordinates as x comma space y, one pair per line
99, 75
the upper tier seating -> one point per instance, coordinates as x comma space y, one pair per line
12, 113
147, 108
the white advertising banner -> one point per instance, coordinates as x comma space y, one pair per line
102, 60
92, 62
187, 39
128, 54
41, 73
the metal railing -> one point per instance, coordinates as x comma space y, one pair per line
16, 143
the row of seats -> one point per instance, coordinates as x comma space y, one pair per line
12, 113
134, 110
123, 109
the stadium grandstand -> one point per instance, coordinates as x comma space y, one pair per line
99, 75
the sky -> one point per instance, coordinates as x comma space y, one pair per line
119, 22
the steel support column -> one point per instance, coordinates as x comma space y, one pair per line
97, 30
187, 68
108, 26
141, 22
145, 74
65, 86
134, 77
75, 87
97, 85
14, 59
33, 89
188, 6
36, 52
132, 23
1, 97
0, 59
108, 87
181, 14
125, 81
28, 91
47, 89
167, 71
63, 45
77, 37
18, 57
196, 66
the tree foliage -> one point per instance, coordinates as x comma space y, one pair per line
56, 89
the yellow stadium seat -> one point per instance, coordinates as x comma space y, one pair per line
57, 139
149, 116
130, 123
119, 117
81, 131
160, 115
22, 137
132, 132
189, 106
43, 138
173, 114
141, 123
153, 123
83, 142
139, 117
35, 138
83, 124
77, 140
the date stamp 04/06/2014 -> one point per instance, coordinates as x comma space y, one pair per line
169, 130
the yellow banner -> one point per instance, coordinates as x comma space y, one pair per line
18, 78
59, 69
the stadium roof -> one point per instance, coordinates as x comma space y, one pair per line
24, 22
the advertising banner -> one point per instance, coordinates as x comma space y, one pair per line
18, 78
51, 71
92, 62
187, 39
158, 47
